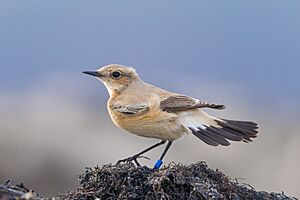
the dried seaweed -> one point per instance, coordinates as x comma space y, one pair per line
176, 181
126, 181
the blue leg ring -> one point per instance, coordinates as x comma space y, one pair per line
158, 164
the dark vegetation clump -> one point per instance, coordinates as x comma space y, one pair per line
176, 181
126, 181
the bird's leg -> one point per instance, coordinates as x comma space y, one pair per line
136, 156
160, 162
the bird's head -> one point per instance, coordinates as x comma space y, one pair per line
115, 77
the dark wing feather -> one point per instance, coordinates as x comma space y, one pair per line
181, 103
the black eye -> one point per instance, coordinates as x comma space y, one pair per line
116, 74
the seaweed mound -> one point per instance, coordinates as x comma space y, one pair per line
176, 181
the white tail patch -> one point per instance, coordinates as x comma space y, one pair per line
196, 119
191, 122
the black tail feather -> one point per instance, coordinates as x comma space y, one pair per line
249, 128
226, 134
215, 137
228, 130
204, 138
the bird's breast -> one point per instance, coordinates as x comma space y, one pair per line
154, 124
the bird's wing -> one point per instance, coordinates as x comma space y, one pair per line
181, 103
132, 109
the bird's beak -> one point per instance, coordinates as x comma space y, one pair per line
93, 73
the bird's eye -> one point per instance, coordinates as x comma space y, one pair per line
116, 74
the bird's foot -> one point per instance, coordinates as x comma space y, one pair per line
132, 159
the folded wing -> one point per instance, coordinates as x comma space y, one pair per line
182, 103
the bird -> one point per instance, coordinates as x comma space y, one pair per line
149, 111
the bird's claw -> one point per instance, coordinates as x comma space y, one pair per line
128, 160
133, 158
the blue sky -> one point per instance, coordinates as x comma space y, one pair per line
254, 44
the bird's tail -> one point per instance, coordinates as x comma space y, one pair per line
214, 131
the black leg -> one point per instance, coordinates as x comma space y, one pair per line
160, 161
136, 156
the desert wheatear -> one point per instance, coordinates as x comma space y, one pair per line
149, 111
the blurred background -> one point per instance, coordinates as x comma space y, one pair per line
53, 118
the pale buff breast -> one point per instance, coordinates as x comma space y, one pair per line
154, 123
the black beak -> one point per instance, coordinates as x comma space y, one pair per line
92, 73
